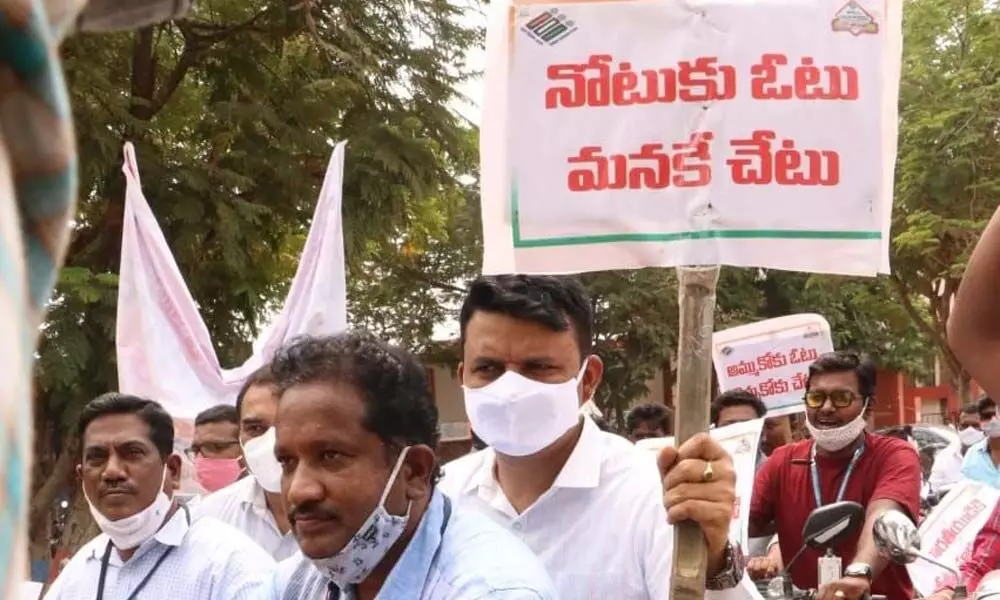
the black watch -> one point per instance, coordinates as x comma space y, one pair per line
732, 571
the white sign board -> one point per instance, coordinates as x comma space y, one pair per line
948, 532
30, 590
643, 133
740, 441
771, 358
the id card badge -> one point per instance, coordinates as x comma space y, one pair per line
829, 569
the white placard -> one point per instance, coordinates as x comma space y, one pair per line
740, 441
30, 590
638, 133
948, 532
771, 358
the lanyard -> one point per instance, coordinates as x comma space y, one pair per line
333, 592
843, 483
107, 557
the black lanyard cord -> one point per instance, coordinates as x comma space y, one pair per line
101, 580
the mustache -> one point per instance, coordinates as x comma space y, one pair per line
310, 510
118, 488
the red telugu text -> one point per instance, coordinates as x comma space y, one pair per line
688, 164
595, 84
771, 360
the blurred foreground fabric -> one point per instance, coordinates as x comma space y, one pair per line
38, 182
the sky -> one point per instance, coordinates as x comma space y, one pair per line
476, 62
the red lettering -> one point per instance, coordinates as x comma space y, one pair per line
785, 167
697, 148
594, 84
742, 368
689, 165
841, 83
799, 381
697, 80
772, 360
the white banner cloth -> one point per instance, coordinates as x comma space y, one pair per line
163, 347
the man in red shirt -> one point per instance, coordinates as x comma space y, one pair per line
880, 473
985, 557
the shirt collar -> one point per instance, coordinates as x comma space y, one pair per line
170, 534
581, 470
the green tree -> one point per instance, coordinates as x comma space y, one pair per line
947, 177
232, 111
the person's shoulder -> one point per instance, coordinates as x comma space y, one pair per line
224, 540
457, 473
882, 445
479, 551
298, 577
783, 455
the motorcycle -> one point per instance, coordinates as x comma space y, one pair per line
825, 527
897, 538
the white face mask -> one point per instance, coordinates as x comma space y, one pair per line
970, 436
259, 456
833, 440
518, 416
130, 532
366, 549
992, 428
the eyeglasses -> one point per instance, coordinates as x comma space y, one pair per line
209, 448
839, 398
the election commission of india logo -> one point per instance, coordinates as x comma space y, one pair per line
547, 28
854, 19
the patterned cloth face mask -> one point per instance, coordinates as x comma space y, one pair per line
366, 549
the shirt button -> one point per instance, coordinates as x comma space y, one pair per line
518, 526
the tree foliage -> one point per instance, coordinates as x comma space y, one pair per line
232, 111
947, 179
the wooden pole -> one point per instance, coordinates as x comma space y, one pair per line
696, 291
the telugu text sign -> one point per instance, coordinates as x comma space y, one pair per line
947, 534
771, 358
658, 133
740, 441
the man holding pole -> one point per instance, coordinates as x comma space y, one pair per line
588, 503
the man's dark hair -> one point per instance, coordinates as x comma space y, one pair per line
261, 376
737, 397
841, 361
985, 405
971, 408
392, 383
221, 413
554, 302
657, 413
161, 425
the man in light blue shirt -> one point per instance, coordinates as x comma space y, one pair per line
150, 545
355, 435
981, 460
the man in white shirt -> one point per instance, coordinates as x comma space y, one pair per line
253, 504
588, 503
151, 547
947, 468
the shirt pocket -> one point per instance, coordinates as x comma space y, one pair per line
597, 585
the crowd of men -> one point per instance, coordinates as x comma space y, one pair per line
324, 480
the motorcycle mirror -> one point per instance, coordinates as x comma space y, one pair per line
896, 537
825, 527
830, 524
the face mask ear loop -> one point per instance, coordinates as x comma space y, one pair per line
392, 478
